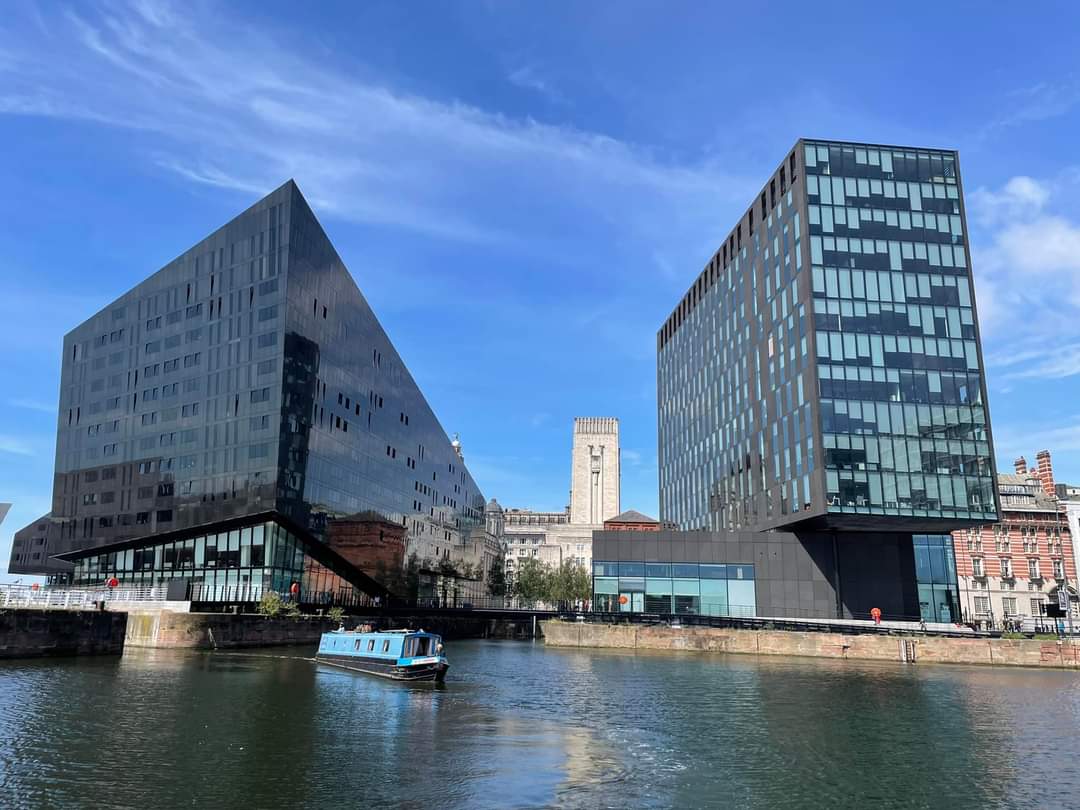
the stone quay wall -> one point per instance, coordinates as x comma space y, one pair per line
868, 646
207, 631
29, 633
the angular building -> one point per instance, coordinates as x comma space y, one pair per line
822, 403
215, 419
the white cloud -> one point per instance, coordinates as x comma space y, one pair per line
244, 109
1027, 276
528, 77
33, 405
1019, 197
16, 446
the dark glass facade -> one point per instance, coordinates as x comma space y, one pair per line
235, 563
824, 369
249, 375
935, 570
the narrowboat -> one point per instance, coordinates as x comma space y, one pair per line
400, 655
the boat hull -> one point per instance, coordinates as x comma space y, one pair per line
434, 672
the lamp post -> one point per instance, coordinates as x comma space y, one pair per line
1064, 565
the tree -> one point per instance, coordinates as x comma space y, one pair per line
448, 569
497, 578
571, 583
532, 582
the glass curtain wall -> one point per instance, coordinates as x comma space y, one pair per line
903, 413
674, 588
935, 571
236, 565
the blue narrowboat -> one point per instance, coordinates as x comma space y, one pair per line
401, 655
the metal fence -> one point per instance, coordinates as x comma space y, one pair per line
74, 598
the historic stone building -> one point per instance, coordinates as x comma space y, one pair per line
558, 537
1013, 570
594, 470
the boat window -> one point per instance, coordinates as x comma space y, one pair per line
357, 647
424, 646
371, 644
410, 648
386, 646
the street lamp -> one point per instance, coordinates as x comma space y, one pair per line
1064, 566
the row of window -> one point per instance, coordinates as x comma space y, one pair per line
1005, 568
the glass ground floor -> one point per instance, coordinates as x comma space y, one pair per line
234, 564
935, 574
679, 588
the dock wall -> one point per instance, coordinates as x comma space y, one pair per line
32, 633
873, 647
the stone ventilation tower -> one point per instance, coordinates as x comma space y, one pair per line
594, 470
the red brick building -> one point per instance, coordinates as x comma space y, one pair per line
631, 521
369, 541
1013, 569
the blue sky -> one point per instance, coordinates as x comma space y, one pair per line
522, 190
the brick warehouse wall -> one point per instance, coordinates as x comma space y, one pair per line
369, 544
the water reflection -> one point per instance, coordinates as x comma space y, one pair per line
519, 725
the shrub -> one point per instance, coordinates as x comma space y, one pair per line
336, 615
271, 604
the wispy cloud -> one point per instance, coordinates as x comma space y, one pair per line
528, 77
1038, 102
240, 108
1027, 274
15, 445
33, 405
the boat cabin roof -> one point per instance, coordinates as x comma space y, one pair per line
388, 644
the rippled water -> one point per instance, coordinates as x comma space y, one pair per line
521, 725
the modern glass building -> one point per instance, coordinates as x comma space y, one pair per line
825, 368
822, 377
247, 377
234, 561
935, 570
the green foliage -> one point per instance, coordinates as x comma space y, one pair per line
447, 568
410, 580
570, 582
532, 580
497, 578
271, 604
336, 614
291, 609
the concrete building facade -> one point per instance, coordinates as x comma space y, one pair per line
594, 470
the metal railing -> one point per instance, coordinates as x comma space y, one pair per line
905, 626
76, 598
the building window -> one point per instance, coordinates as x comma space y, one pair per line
1033, 569
1008, 605
977, 567
982, 605
1059, 569
1006, 567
